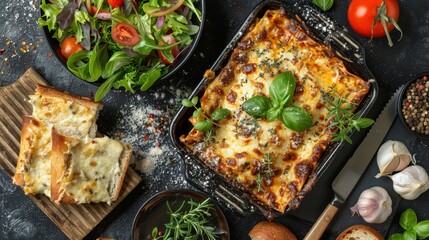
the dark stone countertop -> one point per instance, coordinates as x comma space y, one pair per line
144, 117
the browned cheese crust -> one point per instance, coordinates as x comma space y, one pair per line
266, 159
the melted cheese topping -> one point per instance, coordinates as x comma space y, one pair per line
266, 159
94, 168
70, 118
37, 171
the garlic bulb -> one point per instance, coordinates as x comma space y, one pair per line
374, 205
411, 182
392, 156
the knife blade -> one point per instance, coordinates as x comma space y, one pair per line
350, 174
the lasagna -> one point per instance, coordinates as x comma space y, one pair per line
263, 158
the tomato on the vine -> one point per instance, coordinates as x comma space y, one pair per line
70, 46
174, 50
115, 3
368, 17
125, 34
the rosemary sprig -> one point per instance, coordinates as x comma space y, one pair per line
342, 116
191, 224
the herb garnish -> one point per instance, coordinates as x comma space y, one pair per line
281, 93
342, 116
265, 172
413, 228
189, 224
205, 124
325, 5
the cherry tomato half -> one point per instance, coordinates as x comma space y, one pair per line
174, 50
93, 10
115, 3
70, 47
361, 14
125, 34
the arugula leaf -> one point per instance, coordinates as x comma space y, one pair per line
195, 10
106, 86
78, 64
127, 82
147, 79
116, 61
325, 5
97, 60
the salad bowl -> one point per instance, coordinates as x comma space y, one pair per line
165, 40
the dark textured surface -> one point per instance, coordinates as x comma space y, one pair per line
21, 219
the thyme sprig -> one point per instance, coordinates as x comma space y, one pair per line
342, 116
265, 172
191, 224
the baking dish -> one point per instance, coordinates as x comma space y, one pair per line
321, 28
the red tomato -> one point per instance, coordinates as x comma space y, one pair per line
115, 3
361, 15
125, 34
94, 9
174, 50
70, 47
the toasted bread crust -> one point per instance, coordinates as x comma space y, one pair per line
60, 161
27, 137
124, 163
52, 92
370, 232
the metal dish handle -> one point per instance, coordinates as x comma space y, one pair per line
327, 30
205, 179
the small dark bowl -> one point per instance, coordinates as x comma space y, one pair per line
174, 68
153, 213
401, 101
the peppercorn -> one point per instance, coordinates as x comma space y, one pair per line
415, 106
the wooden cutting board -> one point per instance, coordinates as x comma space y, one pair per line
76, 221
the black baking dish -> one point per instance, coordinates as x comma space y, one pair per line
321, 28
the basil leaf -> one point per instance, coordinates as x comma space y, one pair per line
408, 219
197, 113
282, 89
194, 100
187, 103
364, 122
422, 229
273, 114
325, 5
203, 125
220, 114
116, 61
257, 106
396, 236
409, 235
147, 79
106, 86
296, 118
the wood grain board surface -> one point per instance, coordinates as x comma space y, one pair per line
75, 221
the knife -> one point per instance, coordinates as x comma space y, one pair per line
354, 168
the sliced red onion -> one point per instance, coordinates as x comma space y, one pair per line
160, 21
130, 52
185, 49
185, 12
104, 16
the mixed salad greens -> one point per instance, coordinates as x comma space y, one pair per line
125, 43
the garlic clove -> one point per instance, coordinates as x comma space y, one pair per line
411, 182
374, 205
392, 156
